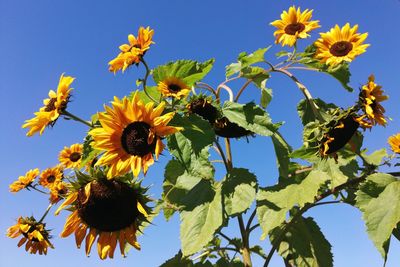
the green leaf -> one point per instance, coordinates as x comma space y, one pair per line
222, 262
376, 157
304, 244
178, 260
256, 74
306, 153
199, 225
245, 60
332, 168
306, 113
197, 130
379, 200
188, 70
238, 191
266, 95
180, 147
251, 117
152, 91
282, 152
274, 202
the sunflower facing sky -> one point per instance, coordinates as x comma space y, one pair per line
70, 157
340, 44
371, 95
35, 236
50, 176
24, 181
130, 134
133, 52
52, 109
107, 210
173, 87
294, 25
394, 142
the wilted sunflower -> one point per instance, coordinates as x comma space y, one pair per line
294, 25
52, 109
50, 176
24, 181
173, 87
133, 52
394, 142
108, 210
130, 134
340, 44
370, 97
225, 128
35, 236
338, 135
204, 108
70, 157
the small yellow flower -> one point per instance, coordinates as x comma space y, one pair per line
340, 44
173, 87
294, 25
51, 176
394, 142
70, 157
52, 109
24, 181
58, 190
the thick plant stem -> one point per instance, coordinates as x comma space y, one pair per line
76, 118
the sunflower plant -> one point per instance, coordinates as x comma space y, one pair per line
98, 183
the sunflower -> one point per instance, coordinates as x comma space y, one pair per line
173, 87
130, 134
50, 176
294, 25
70, 157
24, 181
340, 44
133, 52
204, 108
109, 210
57, 191
225, 128
394, 142
52, 109
338, 135
370, 97
35, 236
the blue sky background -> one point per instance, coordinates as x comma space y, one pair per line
39, 40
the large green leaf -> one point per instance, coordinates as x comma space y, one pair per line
251, 117
306, 113
245, 60
304, 245
238, 191
180, 147
274, 202
376, 157
379, 200
332, 168
266, 95
199, 225
152, 91
282, 152
256, 74
188, 70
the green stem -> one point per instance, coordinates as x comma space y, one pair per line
75, 118
145, 81
34, 188
45, 213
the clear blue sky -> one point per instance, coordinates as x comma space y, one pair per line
39, 40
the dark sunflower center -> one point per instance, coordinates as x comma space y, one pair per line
75, 156
51, 179
51, 105
26, 235
134, 139
342, 135
112, 206
341, 49
204, 109
225, 128
174, 88
294, 28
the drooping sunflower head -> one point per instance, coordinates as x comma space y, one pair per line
34, 235
130, 135
370, 97
50, 176
294, 25
24, 181
133, 52
338, 134
225, 128
173, 87
340, 44
52, 109
70, 157
394, 142
110, 211
203, 107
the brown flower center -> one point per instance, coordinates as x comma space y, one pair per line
204, 109
112, 205
341, 49
341, 135
51, 178
225, 128
174, 88
75, 156
51, 105
294, 28
134, 139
